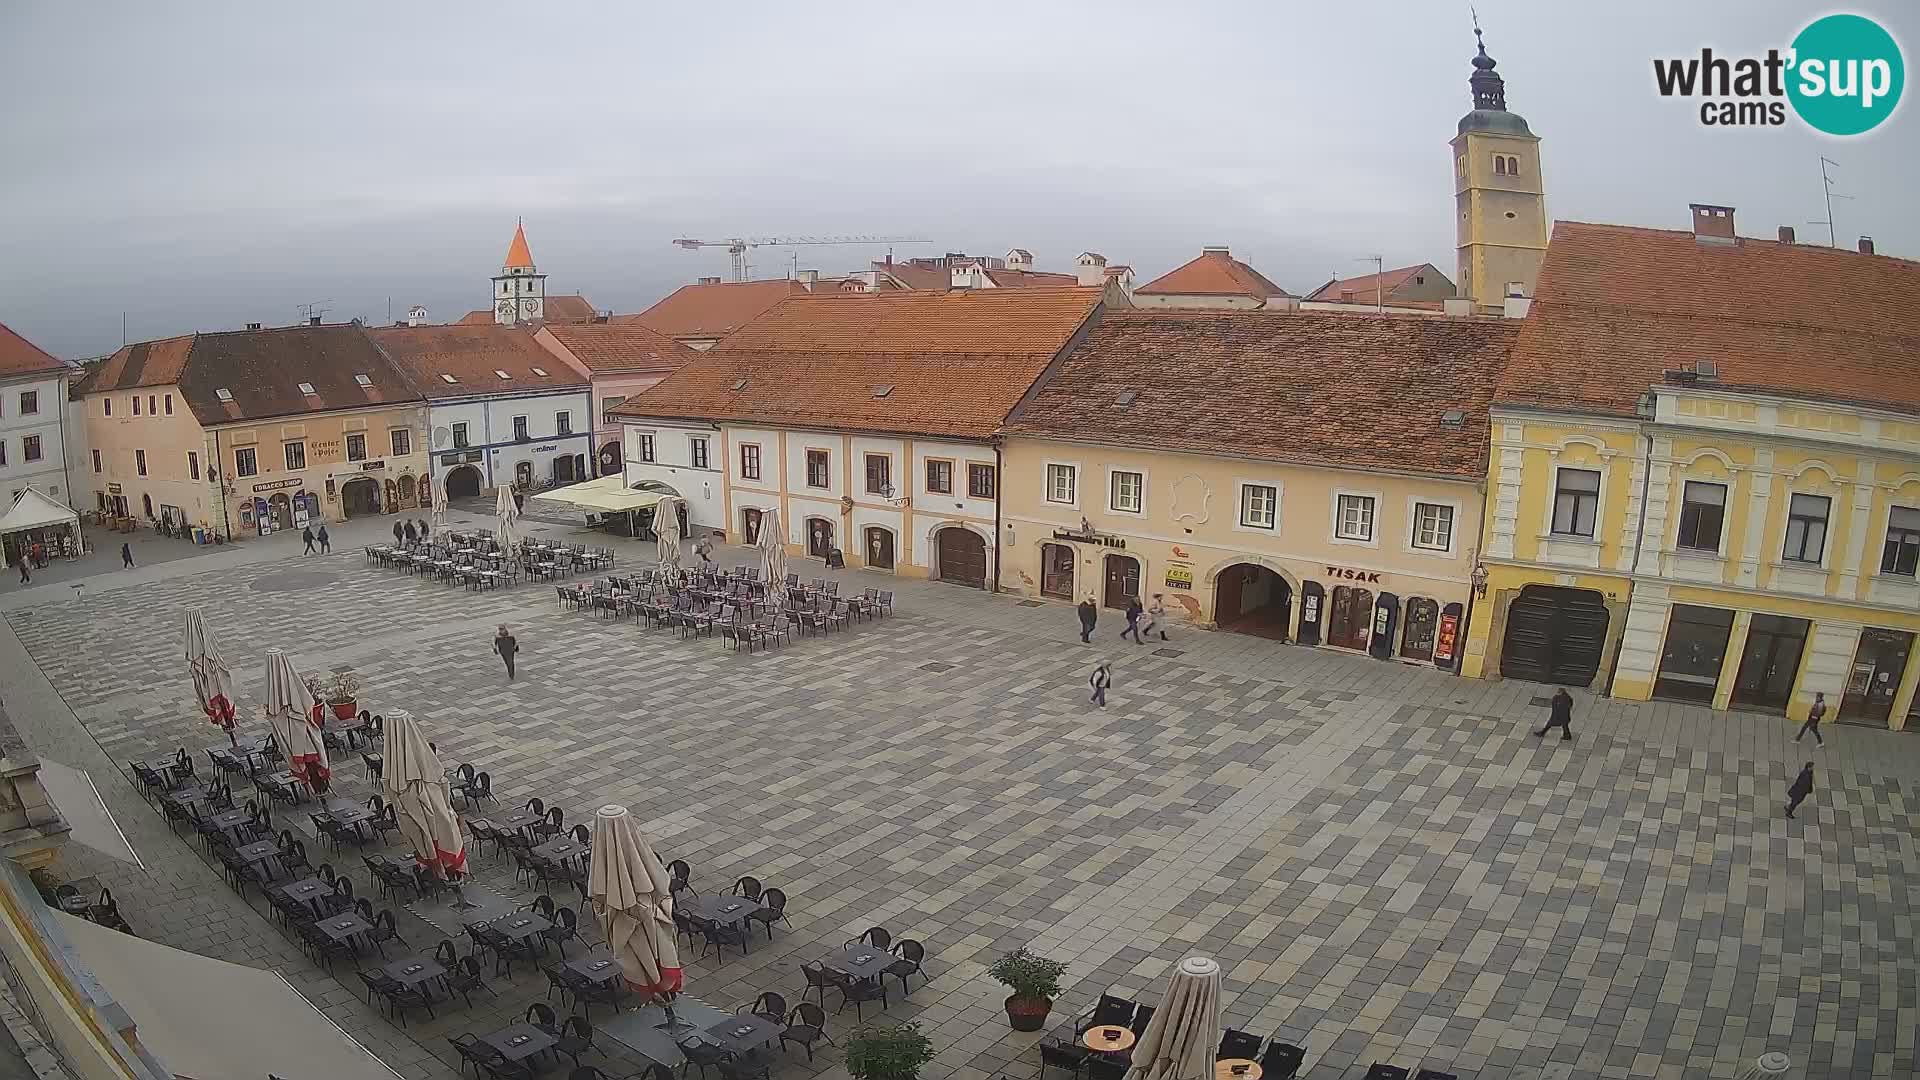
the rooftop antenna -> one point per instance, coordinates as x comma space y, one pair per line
1379, 283
1826, 186
312, 310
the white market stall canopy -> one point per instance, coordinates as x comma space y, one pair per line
37, 510
607, 495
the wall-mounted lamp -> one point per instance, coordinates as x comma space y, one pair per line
1479, 578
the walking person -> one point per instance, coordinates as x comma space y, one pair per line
1814, 716
506, 646
1101, 678
408, 532
1157, 616
704, 549
1134, 611
1802, 787
306, 534
126, 556
23, 569
1560, 715
1088, 616
326, 542
398, 535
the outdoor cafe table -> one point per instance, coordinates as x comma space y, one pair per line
307, 890
343, 927
228, 820
639, 1029
258, 851
414, 970
187, 796
597, 966
351, 815
520, 927
728, 910
1108, 1039
351, 728
742, 1032
560, 850
519, 1042
519, 819
848, 961
1223, 1069
289, 781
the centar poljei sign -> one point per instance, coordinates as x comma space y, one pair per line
1842, 75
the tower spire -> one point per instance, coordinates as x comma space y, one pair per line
1489, 90
519, 256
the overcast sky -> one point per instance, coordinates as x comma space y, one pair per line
199, 166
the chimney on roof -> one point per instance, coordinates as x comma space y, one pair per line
1019, 259
1713, 224
603, 316
1091, 267
1866, 245
1786, 234
708, 281
1215, 250
809, 278
253, 326
1457, 306
417, 315
313, 320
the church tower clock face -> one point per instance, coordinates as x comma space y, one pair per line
505, 310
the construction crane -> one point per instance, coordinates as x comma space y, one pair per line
737, 247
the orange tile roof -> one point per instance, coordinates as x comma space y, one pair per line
1214, 273
1363, 287
18, 356
1026, 279
474, 356
261, 370
519, 256
1322, 388
1617, 306
143, 363
611, 348
955, 361
713, 311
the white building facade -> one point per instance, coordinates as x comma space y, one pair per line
530, 439
34, 434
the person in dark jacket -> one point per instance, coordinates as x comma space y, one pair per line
1802, 787
326, 542
126, 555
1134, 611
1101, 678
408, 531
506, 646
1560, 716
306, 536
23, 570
1814, 716
1088, 616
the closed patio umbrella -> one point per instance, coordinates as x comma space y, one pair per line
509, 513
296, 727
772, 543
666, 531
439, 497
212, 678
1181, 1040
416, 786
633, 896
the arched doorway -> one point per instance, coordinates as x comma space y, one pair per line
963, 556
1423, 621
879, 548
1056, 571
1350, 620
463, 482
360, 497
1251, 599
819, 537
750, 526
406, 491
1554, 635
523, 474
1122, 580
282, 506
146, 505
609, 458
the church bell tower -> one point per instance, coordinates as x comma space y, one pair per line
519, 290
1499, 196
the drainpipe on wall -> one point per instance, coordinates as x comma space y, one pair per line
997, 481
1639, 539
220, 462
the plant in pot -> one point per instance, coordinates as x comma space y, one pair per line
1035, 982
340, 691
888, 1052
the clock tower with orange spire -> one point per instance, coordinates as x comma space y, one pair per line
519, 291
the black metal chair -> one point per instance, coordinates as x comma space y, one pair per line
1100, 1067
1063, 1055
806, 1024
1235, 1043
717, 936
576, 1038
565, 928
748, 887
1142, 1016
856, 992
464, 978
1109, 1011
1282, 1060
911, 954
770, 1005
877, 936
384, 931
704, 1054
818, 978
773, 907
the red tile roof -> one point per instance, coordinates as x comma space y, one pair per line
611, 348
556, 309
519, 256
713, 311
952, 362
143, 363
1618, 306
474, 356
1321, 388
1214, 273
1363, 287
18, 356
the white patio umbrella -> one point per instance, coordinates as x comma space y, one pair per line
1181, 1040
666, 531
633, 897
772, 543
212, 678
294, 715
416, 786
509, 513
439, 496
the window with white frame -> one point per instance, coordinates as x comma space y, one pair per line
1576, 502
1259, 505
1901, 554
646, 447
1703, 511
1126, 492
1060, 481
1353, 518
749, 461
1807, 528
296, 454
698, 451
1432, 526
357, 447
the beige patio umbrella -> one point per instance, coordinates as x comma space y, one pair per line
633, 896
212, 678
294, 716
416, 786
439, 496
666, 531
772, 543
509, 513
1181, 1040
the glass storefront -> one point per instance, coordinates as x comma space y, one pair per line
1696, 647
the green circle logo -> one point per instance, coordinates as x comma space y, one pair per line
1847, 75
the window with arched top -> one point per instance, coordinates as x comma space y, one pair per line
1499, 165
1513, 166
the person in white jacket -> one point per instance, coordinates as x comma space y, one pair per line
1156, 616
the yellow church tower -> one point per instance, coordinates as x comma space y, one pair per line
1499, 195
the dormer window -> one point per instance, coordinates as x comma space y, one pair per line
307, 389
448, 379
363, 380
542, 372
503, 375
223, 394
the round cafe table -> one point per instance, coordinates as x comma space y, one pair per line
1223, 1069
1096, 1039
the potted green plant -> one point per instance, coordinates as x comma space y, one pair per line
340, 692
888, 1052
1035, 982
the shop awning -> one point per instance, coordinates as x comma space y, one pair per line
607, 495
207, 1019
78, 799
36, 510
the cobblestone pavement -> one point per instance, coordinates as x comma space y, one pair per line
1386, 865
